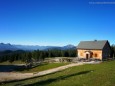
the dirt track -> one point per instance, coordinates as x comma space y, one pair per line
12, 76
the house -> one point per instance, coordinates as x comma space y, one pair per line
97, 49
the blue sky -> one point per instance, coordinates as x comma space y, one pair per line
56, 22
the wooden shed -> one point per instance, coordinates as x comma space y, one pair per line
97, 49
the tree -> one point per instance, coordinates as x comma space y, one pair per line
113, 51
11, 59
28, 60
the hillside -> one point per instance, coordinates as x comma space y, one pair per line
86, 75
7, 46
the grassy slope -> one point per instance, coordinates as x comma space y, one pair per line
43, 67
8, 63
86, 75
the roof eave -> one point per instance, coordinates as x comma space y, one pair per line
88, 49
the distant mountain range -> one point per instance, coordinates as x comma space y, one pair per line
9, 46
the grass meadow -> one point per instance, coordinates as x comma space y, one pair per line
102, 74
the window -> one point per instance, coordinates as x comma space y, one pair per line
95, 55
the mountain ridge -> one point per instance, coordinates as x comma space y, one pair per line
9, 46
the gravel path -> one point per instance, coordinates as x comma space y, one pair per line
12, 76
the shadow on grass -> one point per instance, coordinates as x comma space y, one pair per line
48, 81
10, 68
17, 68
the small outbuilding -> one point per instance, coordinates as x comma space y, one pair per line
97, 49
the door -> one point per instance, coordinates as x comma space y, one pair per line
87, 56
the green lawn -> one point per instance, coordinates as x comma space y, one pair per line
85, 75
42, 67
